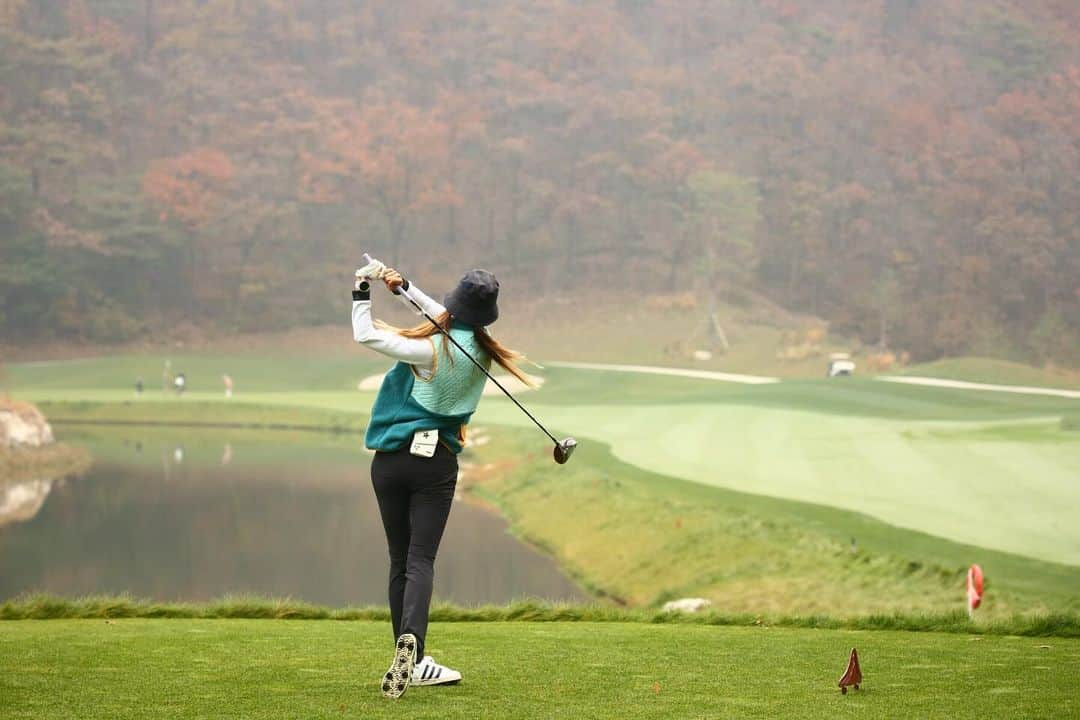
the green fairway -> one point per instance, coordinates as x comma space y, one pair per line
642, 538
326, 669
1008, 487
250, 372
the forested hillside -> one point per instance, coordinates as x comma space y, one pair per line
905, 168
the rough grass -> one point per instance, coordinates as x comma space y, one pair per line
147, 668
51, 607
756, 331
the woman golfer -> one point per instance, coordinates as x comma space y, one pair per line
417, 428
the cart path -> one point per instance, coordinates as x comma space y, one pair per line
677, 372
965, 385
763, 380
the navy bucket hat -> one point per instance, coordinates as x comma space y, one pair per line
475, 300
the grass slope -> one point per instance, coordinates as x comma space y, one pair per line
311, 669
1012, 489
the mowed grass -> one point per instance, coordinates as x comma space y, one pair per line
324, 669
986, 469
1010, 487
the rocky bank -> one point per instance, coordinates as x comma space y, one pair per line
31, 461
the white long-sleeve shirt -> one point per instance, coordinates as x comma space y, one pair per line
419, 352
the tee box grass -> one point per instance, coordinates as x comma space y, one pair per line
164, 669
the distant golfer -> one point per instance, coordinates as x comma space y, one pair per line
417, 428
227, 380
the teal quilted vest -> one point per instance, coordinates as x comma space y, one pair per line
445, 402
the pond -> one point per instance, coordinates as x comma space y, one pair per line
181, 514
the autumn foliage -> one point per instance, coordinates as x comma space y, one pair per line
903, 169
188, 187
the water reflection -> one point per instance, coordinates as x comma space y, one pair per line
201, 518
21, 501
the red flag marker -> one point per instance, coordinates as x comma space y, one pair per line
974, 588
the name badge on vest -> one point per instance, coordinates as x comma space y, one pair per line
424, 443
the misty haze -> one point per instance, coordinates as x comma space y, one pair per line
695, 342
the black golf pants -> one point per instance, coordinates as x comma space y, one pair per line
414, 494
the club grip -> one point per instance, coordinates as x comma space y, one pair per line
367, 259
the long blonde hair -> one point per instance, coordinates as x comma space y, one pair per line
501, 354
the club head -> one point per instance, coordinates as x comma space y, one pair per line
564, 450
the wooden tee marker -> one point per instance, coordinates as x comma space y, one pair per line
853, 675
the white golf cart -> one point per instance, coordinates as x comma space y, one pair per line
840, 365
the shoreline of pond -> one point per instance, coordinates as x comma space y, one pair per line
52, 461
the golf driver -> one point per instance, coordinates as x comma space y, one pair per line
563, 448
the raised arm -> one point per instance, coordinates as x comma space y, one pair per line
431, 307
414, 351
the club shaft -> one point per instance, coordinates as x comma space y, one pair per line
477, 364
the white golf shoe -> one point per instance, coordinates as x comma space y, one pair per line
397, 678
429, 672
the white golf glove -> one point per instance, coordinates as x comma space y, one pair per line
372, 271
